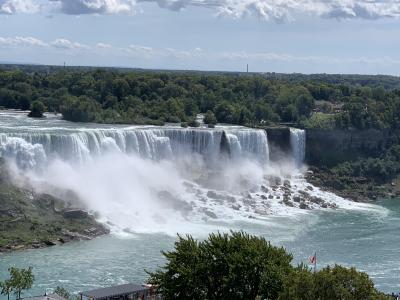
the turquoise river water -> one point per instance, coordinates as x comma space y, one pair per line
368, 240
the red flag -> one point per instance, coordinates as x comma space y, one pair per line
313, 259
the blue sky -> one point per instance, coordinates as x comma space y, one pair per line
329, 36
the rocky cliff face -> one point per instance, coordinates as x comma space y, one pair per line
279, 142
31, 220
326, 148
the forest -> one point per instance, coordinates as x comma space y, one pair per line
108, 95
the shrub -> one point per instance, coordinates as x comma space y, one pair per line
37, 109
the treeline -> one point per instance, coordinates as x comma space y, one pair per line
113, 96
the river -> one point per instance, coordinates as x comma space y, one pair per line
148, 183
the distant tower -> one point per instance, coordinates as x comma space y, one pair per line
247, 68
64, 64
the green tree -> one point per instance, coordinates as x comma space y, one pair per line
60, 291
37, 109
6, 288
225, 266
330, 283
209, 118
82, 109
343, 283
20, 279
299, 285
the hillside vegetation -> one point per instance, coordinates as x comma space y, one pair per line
155, 97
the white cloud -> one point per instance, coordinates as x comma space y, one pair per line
22, 41
29, 41
275, 10
67, 44
103, 46
79, 7
281, 10
143, 49
10, 7
198, 54
290, 58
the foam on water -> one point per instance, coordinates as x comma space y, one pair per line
162, 179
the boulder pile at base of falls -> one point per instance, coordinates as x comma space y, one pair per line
30, 220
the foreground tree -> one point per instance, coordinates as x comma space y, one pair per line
330, 283
60, 291
6, 288
225, 266
239, 266
21, 279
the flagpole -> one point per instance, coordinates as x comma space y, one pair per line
315, 262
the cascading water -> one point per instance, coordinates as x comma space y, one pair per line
298, 145
146, 179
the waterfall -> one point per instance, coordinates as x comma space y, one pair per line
298, 145
155, 178
248, 143
35, 146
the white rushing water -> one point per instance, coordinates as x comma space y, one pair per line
298, 144
148, 183
160, 179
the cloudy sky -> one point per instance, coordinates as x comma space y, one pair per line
325, 36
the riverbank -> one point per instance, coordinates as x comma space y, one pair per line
29, 220
359, 189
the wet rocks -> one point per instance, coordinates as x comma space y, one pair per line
217, 196
303, 206
297, 199
261, 211
75, 214
236, 207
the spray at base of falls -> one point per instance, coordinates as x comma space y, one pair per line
161, 179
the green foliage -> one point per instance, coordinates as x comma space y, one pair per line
330, 283
62, 292
241, 266
20, 279
6, 288
193, 123
225, 266
81, 109
111, 96
209, 118
299, 285
320, 121
380, 170
37, 109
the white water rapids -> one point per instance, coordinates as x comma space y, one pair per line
161, 179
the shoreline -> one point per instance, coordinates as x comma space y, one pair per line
357, 189
32, 221
51, 243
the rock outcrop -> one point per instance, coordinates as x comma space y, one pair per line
326, 148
